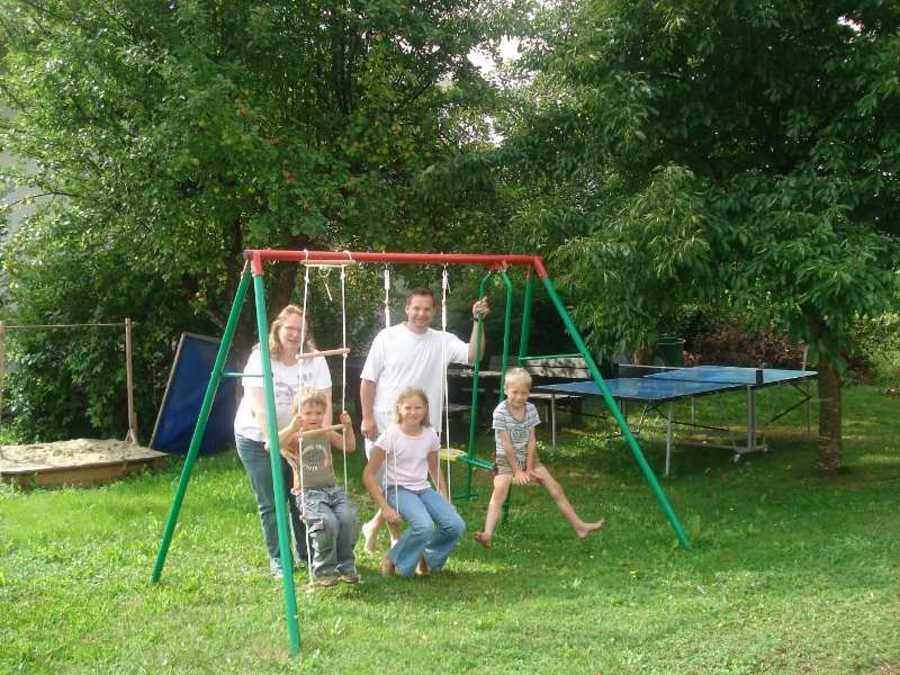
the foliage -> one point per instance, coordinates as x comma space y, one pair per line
789, 573
168, 137
731, 341
877, 342
736, 151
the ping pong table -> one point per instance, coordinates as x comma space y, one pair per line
661, 388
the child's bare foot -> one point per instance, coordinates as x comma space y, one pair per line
422, 568
370, 534
588, 528
387, 566
484, 539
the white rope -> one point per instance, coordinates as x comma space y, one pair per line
387, 324
344, 364
309, 553
387, 298
445, 389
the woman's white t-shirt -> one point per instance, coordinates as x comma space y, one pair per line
287, 381
406, 457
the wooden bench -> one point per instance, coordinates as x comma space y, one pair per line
547, 371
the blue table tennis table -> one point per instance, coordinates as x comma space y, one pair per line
661, 388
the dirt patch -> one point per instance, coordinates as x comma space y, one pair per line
78, 452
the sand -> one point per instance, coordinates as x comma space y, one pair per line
75, 453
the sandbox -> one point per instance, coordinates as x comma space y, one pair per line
82, 460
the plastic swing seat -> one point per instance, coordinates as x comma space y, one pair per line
457, 455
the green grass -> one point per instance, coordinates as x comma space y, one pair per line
790, 572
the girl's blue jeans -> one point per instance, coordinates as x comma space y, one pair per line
434, 528
255, 459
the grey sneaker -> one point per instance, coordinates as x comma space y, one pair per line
275, 568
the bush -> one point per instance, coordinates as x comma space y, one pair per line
730, 342
877, 344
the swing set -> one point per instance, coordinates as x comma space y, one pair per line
498, 265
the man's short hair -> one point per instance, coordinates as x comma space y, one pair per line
420, 290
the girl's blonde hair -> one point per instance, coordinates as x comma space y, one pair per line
308, 395
275, 346
409, 392
518, 376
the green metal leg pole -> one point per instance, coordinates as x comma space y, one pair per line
617, 414
200, 427
473, 413
281, 519
507, 327
526, 316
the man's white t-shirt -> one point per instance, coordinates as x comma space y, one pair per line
406, 457
400, 358
287, 381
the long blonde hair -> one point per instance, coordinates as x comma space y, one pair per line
275, 346
409, 392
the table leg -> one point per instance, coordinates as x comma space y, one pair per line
669, 439
553, 419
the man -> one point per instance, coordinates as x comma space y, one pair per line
410, 354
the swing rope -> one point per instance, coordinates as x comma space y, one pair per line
325, 271
445, 389
344, 362
309, 565
387, 324
387, 297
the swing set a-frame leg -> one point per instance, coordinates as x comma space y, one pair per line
274, 452
649, 476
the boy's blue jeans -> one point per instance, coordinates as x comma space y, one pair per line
434, 528
333, 527
255, 459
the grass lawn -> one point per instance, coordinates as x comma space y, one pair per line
789, 572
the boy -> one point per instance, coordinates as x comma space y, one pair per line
516, 458
330, 516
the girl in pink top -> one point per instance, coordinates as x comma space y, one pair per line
408, 449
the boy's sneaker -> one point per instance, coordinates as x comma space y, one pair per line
324, 581
275, 568
350, 577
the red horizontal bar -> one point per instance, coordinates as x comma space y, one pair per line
258, 256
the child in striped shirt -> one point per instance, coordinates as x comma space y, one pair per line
517, 461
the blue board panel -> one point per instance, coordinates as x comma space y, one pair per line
184, 396
639, 388
734, 375
671, 385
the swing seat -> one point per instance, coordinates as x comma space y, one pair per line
457, 455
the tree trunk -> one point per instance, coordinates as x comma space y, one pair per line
830, 437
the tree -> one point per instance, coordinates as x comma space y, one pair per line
169, 137
724, 151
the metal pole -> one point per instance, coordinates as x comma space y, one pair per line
2, 367
617, 414
507, 329
200, 427
493, 261
284, 535
528, 301
473, 414
129, 384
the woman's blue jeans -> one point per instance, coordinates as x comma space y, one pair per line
434, 528
255, 459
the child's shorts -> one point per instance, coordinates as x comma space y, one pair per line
502, 467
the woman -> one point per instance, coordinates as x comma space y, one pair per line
289, 375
